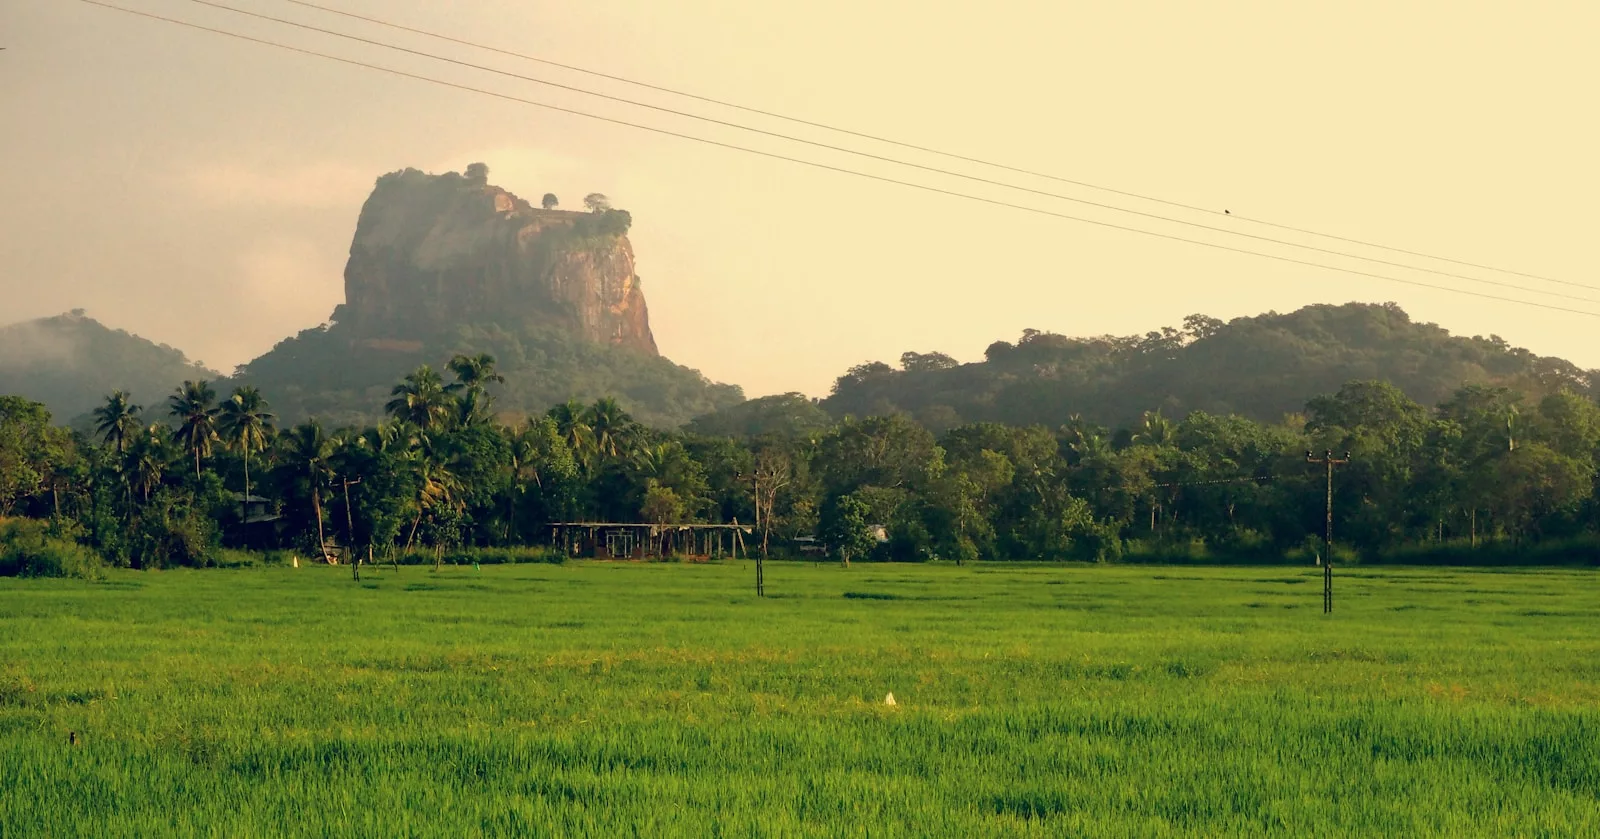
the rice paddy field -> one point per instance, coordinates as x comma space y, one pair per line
667, 700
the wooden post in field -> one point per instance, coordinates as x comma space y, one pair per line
1329, 461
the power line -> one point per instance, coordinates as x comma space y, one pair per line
903, 144
887, 159
829, 167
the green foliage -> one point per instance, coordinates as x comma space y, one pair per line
1258, 367
843, 528
455, 469
483, 556
28, 548
319, 373
26, 445
785, 415
602, 224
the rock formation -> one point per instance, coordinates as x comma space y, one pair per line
448, 249
448, 264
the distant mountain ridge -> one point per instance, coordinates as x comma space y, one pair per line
71, 361
1262, 367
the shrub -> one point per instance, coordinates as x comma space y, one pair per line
1584, 550
28, 550
481, 556
233, 558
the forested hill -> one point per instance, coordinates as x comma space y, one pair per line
1261, 367
71, 361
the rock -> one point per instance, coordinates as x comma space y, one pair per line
442, 249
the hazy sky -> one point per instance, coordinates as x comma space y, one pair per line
202, 191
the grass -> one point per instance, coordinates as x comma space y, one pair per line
666, 700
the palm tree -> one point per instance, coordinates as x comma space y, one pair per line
572, 423
197, 419
472, 408
384, 436
609, 426
420, 399
1154, 430
118, 420
473, 372
246, 424
148, 456
436, 483
311, 451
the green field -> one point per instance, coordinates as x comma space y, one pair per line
666, 700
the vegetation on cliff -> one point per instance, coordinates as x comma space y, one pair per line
325, 373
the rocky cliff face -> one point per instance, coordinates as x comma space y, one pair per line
435, 250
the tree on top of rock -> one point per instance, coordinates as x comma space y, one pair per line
478, 173
550, 201
597, 202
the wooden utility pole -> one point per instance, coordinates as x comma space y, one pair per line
1329, 461
350, 531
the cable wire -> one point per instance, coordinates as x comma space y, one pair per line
913, 146
828, 167
886, 159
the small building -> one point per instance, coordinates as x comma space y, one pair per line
260, 527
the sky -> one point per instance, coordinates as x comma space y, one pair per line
202, 191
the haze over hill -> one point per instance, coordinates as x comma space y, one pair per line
71, 361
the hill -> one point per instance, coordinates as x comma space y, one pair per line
70, 362
446, 264
1261, 367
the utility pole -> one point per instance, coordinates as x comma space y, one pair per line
350, 530
1329, 461
755, 495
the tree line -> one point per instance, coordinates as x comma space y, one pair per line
1486, 470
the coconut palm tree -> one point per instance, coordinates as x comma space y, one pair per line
436, 483
149, 453
117, 421
395, 435
573, 425
1154, 430
246, 424
311, 451
610, 427
472, 408
473, 372
420, 399
192, 406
